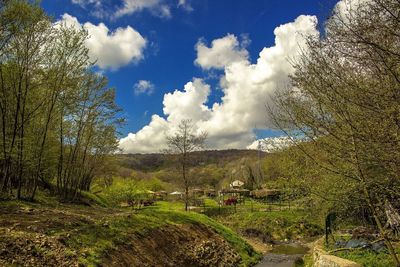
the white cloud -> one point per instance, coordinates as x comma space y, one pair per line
150, 138
246, 89
271, 144
110, 49
143, 87
189, 103
84, 3
159, 8
132, 6
223, 52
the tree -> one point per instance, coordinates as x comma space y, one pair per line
344, 101
183, 142
57, 117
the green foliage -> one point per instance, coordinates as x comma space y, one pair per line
58, 117
368, 258
99, 200
124, 190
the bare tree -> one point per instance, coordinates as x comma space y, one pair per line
183, 142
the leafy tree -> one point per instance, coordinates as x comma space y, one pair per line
57, 118
344, 101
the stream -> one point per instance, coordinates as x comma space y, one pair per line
283, 255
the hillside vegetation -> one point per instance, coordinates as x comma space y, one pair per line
48, 233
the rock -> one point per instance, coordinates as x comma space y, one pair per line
357, 243
340, 243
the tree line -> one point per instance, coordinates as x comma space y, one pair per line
58, 116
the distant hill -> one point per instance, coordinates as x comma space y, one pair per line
210, 168
157, 161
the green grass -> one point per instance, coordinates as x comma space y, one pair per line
364, 257
279, 225
368, 258
273, 221
99, 200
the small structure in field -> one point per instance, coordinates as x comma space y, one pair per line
237, 184
177, 194
233, 193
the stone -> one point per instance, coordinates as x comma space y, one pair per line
357, 243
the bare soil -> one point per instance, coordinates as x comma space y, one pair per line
179, 245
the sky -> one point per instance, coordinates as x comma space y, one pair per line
216, 62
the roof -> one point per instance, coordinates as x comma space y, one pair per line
176, 193
236, 183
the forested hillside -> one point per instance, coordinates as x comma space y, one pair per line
210, 169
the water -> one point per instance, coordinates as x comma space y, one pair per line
283, 255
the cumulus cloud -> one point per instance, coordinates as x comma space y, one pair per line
223, 52
143, 87
246, 87
271, 144
110, 49
151, 137
189, 103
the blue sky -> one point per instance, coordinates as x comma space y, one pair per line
164, 61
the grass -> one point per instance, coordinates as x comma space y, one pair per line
278, 225
364, 257
368, 258
276, 222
